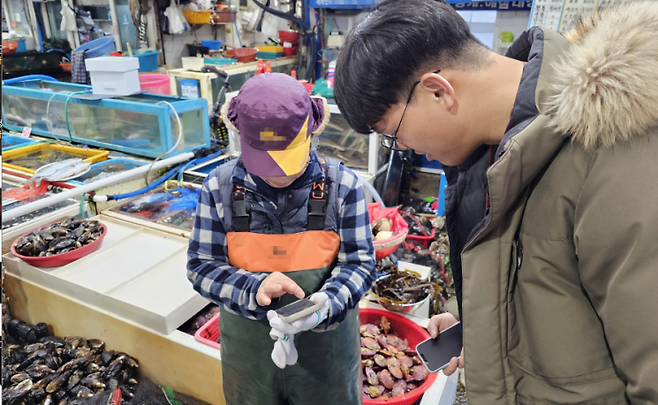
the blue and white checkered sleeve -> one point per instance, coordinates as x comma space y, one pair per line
208, 268
355, 272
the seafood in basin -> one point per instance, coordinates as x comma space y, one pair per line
57, 238
390, 367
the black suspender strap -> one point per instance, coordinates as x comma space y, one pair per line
317, 202
240, 216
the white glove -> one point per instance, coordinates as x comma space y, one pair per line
284, 352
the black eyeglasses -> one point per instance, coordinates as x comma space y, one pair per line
391, 141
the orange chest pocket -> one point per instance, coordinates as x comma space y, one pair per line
292, 252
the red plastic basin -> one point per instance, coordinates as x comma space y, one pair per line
62, 258
406, 329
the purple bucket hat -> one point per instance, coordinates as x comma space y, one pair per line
275, 117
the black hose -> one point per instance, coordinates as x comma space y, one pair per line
281, 14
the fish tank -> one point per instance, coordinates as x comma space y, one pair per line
29, 158
204, 169
162, 207
107, 168
359, 152
10, 142
140, 124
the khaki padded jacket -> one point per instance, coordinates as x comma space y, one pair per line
559, 276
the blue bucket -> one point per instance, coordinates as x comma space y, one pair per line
148, 62
20, 48
98, 47
212, 45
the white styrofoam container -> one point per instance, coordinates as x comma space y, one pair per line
192, 63
114, 76
138, 274
424, 271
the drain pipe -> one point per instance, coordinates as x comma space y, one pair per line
78, 191
373, 192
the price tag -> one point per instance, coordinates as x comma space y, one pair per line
26, 132
189, 88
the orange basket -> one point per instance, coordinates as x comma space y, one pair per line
209, 333
9, 48
197, 17
406, 329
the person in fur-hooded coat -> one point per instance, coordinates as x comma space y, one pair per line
551, 156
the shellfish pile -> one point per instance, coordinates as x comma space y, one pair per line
382, 229
62, 371
59, 238
418, 225
403, 287
390, 367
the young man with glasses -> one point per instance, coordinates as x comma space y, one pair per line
550, 155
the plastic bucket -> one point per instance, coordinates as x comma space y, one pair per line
20, 45
290, 51
98, 47
214, 45
405, 329
148, 62
289, 36
155, 83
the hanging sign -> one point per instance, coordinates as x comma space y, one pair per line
494, 5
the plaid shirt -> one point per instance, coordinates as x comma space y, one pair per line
211, 274
79, 72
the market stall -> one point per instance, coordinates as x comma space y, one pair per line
100, 183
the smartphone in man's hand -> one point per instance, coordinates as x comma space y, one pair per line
436, 353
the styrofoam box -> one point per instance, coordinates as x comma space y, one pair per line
138, 274
192, 63
114, 76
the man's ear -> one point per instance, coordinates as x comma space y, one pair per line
440, 87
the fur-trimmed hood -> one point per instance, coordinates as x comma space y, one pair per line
606, 85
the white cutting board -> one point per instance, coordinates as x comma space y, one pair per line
137, 273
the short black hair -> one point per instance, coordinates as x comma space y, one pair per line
388, 51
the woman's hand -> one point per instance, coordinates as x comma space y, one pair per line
276, 285
436, 325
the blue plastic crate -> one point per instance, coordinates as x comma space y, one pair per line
100, 167
219, 61
212, 44
10, 142
269, 55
